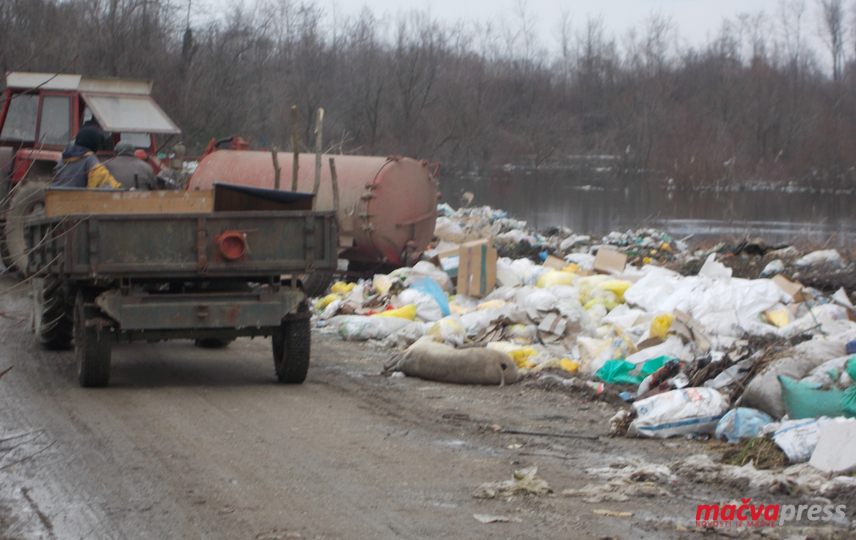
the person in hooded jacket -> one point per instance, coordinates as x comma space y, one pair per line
80, 167
129, 170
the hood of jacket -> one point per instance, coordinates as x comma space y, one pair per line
74, 152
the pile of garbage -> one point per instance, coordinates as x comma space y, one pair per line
703, 355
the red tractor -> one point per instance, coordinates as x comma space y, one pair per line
40, 115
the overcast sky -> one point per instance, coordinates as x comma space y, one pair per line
695, 21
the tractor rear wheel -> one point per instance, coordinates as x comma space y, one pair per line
53, 316
28, 201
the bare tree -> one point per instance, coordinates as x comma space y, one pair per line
832, 33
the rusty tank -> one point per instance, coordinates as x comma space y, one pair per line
387, 206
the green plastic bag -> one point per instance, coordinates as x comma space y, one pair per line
810, 400
618, 371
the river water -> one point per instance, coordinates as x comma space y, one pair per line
598, 202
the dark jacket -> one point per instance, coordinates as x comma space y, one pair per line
80, 168
125, 168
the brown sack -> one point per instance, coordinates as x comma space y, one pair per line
434, 361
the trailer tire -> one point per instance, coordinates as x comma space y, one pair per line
52, 316
92, 344
28, 200
291, 346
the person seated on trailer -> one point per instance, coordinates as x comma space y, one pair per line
129, 170
80, 167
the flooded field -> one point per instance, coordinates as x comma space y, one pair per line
600, 202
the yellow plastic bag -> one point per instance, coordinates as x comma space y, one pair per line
343, 288
490, 304
779, 318
325, 301
455, 309
572, 268
381, 283
615, 286
521, 357
569, 365
660, 325
405, 312
555, 277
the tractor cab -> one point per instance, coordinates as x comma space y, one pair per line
41, 113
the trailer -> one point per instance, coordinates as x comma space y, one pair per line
209, 265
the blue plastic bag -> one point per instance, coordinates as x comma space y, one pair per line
741, 423
429, 286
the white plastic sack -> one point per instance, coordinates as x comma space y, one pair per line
673, 346
450, 330
623, 316
583, 260
448, 230
476, 321
427, 308
426, 269
332, 309
679, 412
798, 438
822, 256
407, 336
822, 373
358, 328
541, 299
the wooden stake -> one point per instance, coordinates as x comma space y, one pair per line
295, 143
276, 168
319, 122
335, 181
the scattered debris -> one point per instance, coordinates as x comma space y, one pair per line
611, 513
485, 518
522, 482
687, 342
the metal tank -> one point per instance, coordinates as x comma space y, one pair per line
387, 206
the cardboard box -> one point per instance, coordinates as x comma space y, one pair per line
794, 290
555, 262
476, 269
609, 261
449, 260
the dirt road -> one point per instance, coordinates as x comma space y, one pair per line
193, 443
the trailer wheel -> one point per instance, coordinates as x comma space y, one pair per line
316, 283
52, 316
28, 200
92, 344
291, 350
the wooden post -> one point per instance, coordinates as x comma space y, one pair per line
335, 181
295, 142
318, 138
276, 168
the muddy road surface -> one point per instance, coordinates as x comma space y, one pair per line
196, 443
